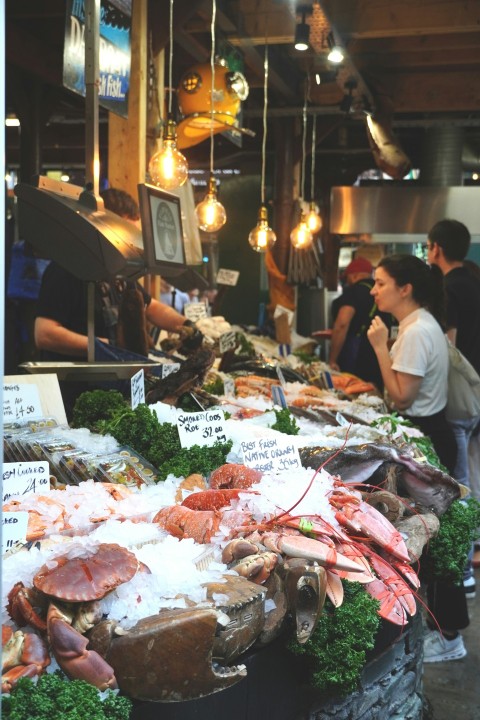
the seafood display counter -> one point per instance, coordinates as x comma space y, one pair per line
209, 590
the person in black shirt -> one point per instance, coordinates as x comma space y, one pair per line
350, 350
447, 246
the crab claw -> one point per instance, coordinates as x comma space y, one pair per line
305, 584
150, 662
70, 651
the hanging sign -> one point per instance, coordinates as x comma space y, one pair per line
20, 402
114, 52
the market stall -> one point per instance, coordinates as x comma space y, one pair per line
123, 485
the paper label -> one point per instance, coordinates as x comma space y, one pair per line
202, 428
227, 277
137, 389
271, 454
228, 386
169, 369
281, 310
14, 529
227, 341
22, 478
195, 311
20, 402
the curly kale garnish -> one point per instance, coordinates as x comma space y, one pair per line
448, 551
54, 697
285, 422
159, 443
337, 649
93, 407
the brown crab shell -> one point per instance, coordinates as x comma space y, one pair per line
87, 578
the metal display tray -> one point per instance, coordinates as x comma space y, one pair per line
77, 371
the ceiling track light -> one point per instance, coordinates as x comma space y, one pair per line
302, 29
336, 53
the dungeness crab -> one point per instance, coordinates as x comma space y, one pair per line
78, 580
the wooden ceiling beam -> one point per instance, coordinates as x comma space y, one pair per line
396, 18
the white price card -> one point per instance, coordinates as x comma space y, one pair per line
227, 277
20, 402
228, 385
137, 388
22, 478
227, 341
195, 311
14, 529
169, 369
281, 310
271, 454
202, 428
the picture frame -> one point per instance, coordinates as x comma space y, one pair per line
163, 240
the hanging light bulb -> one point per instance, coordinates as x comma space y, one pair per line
301, 237
262, 237
313, 219
211, 215
168, 168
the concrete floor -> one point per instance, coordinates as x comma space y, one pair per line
452, 689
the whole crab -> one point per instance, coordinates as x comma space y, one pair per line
78, 580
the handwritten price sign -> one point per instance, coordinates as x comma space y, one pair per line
14, 529
227, 277
21, 402
202, 428
137, 389
227, 341
169, 369
195, 311
270, 455
21, 478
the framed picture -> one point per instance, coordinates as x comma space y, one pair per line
162, 232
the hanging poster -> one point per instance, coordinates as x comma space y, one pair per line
114, 52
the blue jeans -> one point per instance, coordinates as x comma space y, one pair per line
463, 429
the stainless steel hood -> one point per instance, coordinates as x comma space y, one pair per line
402, 214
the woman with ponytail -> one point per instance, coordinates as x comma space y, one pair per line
415, 374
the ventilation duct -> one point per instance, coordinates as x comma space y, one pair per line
442, 157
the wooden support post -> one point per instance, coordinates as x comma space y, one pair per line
127, 136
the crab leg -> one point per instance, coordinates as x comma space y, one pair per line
303, 547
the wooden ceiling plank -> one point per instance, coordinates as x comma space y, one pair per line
33, 55
446, 92
394, 18
418, 43
416, 61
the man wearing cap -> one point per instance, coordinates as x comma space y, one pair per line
352, 312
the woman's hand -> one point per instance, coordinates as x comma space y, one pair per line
377, 333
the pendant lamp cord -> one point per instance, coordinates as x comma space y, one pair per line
212, 68
170, 58
314, 142
265, 107
304, 143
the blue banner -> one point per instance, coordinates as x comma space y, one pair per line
114, 52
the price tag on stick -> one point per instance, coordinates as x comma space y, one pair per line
202, 428
137, 389
227, 277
